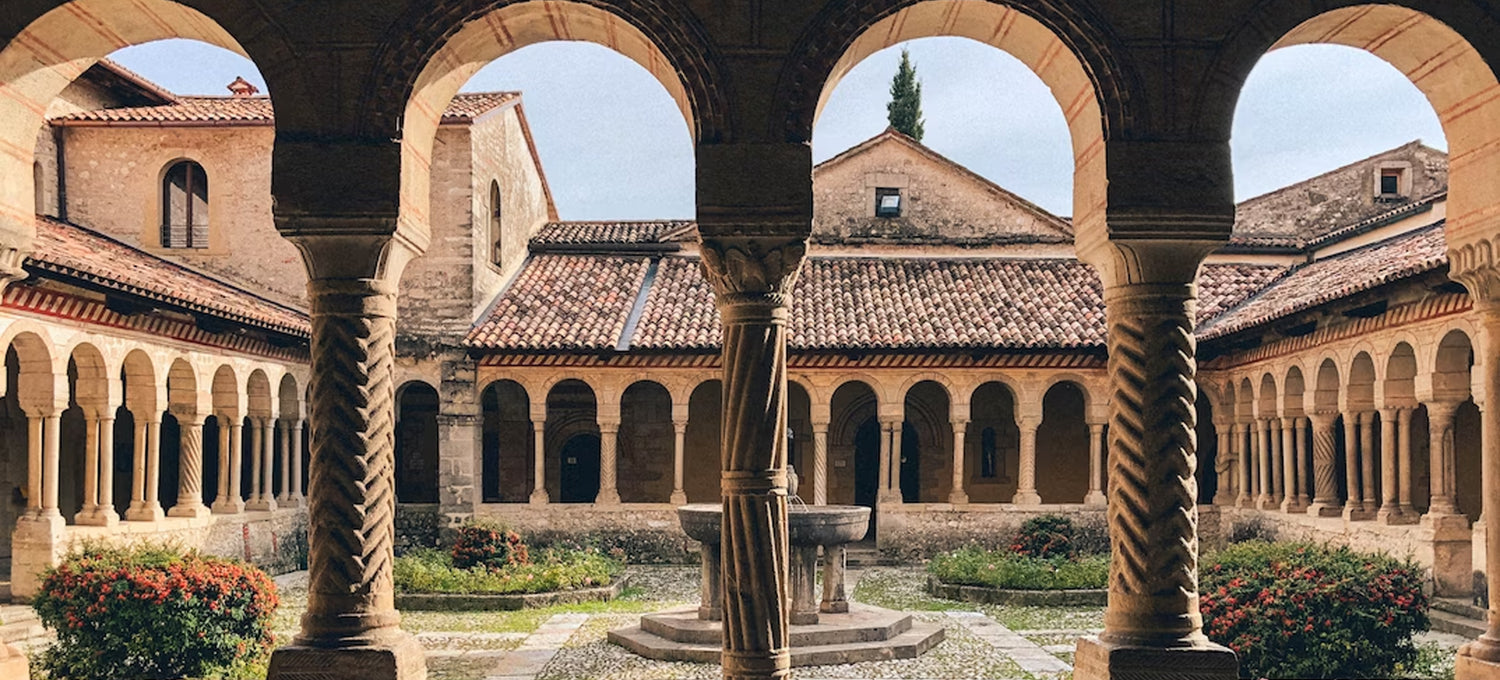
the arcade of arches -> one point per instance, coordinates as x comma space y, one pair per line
1365, 402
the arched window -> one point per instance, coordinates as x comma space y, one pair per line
184, 206
496, 241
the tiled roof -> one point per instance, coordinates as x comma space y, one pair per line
74, 251
1329, 279
1222, 286
564, 302
599, 233
573, 302
253, 111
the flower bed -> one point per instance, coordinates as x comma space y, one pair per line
1297, 610
428, 579
151, 612
1003, 577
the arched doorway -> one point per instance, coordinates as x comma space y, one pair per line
416, 443
578, 478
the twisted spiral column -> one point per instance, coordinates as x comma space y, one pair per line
752, 281
1325, 453
189, 467
820, 463
1153, 512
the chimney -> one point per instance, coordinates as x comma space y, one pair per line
242, 88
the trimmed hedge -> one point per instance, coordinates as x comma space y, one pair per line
152, 613
1298, 610
974, 566
434, 571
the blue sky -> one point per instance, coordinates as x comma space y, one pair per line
615, 147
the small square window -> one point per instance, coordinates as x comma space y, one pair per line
887, 202
1390, 182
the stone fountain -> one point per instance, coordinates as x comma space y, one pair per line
830, 631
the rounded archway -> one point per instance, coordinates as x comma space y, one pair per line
416, 443
507, 469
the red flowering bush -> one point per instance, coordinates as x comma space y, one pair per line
1045, 537
488, 545
150, 613
1297, 610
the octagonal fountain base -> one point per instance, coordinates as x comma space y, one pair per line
863, 633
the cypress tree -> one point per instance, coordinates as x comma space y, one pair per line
905, 109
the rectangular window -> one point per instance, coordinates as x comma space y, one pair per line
887, 202
1390, 182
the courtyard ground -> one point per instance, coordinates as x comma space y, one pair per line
568, 642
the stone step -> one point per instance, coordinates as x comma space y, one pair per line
23, 631
1461, 607
909, 645
14, 613
1447, 622
861, 624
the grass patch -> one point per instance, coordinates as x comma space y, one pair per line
433, 571
974, 566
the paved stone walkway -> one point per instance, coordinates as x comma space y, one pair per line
536, 651
1030, 657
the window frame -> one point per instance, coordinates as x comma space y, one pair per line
881, 193
193, 172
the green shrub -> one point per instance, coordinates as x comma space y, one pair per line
1297, 610
434, 571
1045, 536
484, 544
151, 613
973, 566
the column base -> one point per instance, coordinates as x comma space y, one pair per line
1244, 502
1393, 517
539, 497
1027, 498
1292, 506
293, 502
263, 505
1357, 513
1095, 498
13, 663
197, 511
958, 498
1096, 659
99, 517
1321, 509
1468, 666
400, 659
145, 513
233, 506
678, 498
1267, 503
607, 498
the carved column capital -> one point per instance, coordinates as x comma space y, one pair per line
12, 259
756, 271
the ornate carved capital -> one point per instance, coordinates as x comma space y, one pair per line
11, 269
1476, 265
753, 271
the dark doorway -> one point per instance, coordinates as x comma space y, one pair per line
911, 464
580, 469
417, 444
867, 469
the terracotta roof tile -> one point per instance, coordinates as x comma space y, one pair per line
1222, 286
564, 302
1335, 277
838, 303
600, 233
253, 111
74, 251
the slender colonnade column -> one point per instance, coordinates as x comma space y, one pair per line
539, 458
1367, 462
1403, 464
297, 495
884, 481
1275, 443
609, 492
284, 435
1353, 508
1242, 465
1095, 495
1026, 493
258, 480
1443, 456
1390, 505
1263, 456
679, 446
34, 445
90, 507
1289, 466
1303, 481
820, 462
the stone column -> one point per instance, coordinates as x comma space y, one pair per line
1289, 466
820, 461
137, 471
752, 280
1224, 464
897, 453
1325, 479
1095, 496
351, 630
956, 493
145, 506
539, 459
284, 436
107, 515
297, 497
1275, 445
1367, 462
883, 496
1263, 455
1443, 458
190, 468
1403, 464
1026, 484
1390, 504
1353, 508
1152, 621
34, 446
1303, 481
51, 463
15, 244
679, 446
260, 482
1242, 460
267, 441
90, 510
1480, 659
609, 493
231, 449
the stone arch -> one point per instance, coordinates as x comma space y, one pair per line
701, 454
258, 394
462, 36
289, 397
29, 381
1398, 385
877, 386
992, 458
1095, 91
1062, 443
646, 441
507, 443
1267, 405
36, 381
1293, 392
926, 464
1438, 52
416, 443
799, 452
1360, 389
56, 47
1328, 387
854, 435
1451, 364
572, 441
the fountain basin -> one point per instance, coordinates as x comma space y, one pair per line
819, 525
